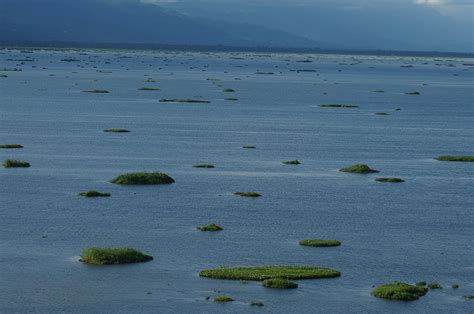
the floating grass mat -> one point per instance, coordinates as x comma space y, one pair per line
455, 158
148, 88
247, 194
97, 91
93, 193
222, 298
180, 100
269, 272
279, 283
399, 291
389, 180
207, 166
292, 162
116, 131
112, 256
319, 243
143, 178
337, 106
210, 227
12, 163
10, 146
358, 168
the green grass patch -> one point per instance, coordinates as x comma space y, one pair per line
319, 242
143, 178
12, 163
148, 88
204, 166
391, 180
10, 146
269, 272
434, 285
116, 131
210, 227
110, 256
292, 162
455, 158
222, 298
358, 168
399, 291
184, 100
337, 106
279, 283
247, 194
93, 193
97, 91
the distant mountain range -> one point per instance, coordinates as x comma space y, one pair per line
95, 21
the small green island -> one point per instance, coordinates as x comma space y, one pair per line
12, 163
116, 131
358, 168
113, 256
10, 146
399, 291
93, 193
143, 178
185, 100
222, 298
390, 180
292, 162
319, 243
210, 227
279, 283
261, 273
247, 194
455, 158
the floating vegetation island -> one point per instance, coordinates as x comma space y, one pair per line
434, 285
184, 100
292, 162
12, 163
97, 91
204, 166
279, 283
222, 298
247, 194
93, 193
210, 227
10, 146
269, 272
111, 256
143, 178
319, 242
390, 180
455, 158
399, 291
337, 106
358, 168
116, 131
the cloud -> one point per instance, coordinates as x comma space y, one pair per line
445, 2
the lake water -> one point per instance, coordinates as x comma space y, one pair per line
418, 230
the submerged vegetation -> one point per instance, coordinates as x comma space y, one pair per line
116, 130
399, 291
269, 272
292, 162
337, 106
110, 256
247, 194
10, 146
12, 163
210, 227
391, 180
143, 178
455, 158
358, 168
319, 242
184, 100
93, 193
279, 283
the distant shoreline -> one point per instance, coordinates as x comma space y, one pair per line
208, 48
